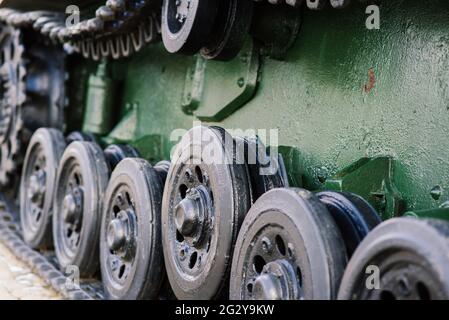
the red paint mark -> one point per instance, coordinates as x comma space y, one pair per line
371, 81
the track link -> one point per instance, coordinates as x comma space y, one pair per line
44, 263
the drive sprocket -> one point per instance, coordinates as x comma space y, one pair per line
12, 97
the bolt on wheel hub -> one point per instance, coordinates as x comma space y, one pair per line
117, 234
191, 214
400, 281
121, 236
274, 281
72, 211
182, 9
121, 232
36, 187
72, 206
191, 219
272, 268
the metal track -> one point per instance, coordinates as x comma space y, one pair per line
12, 73
315, 4
119, 28
43, 263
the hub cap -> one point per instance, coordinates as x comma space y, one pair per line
405, 277
271, 269
182, 9
37, 186
121, 235
72, 210
276, 281
193, 217
36, 183
117, 234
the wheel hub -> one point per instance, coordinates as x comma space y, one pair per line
121, 236
119, 231
73, 206
405, 279
190, 213
274, 281
272, 271
182, 10
36, 187
192, 218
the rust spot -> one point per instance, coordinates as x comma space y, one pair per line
371, 81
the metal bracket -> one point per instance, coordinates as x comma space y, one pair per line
372, 179
98, 118
214, 90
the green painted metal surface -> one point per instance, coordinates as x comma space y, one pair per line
214, 90
372, 179
100, 101
341, 93
437, 213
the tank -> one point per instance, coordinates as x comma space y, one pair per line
239, 149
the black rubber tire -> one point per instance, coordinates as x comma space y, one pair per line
231, 203
115, 153
79, 136
322, 259
53, 144
230, 31
147, 274
94, 169
354, 216
426, 238
192, 35
264, 172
